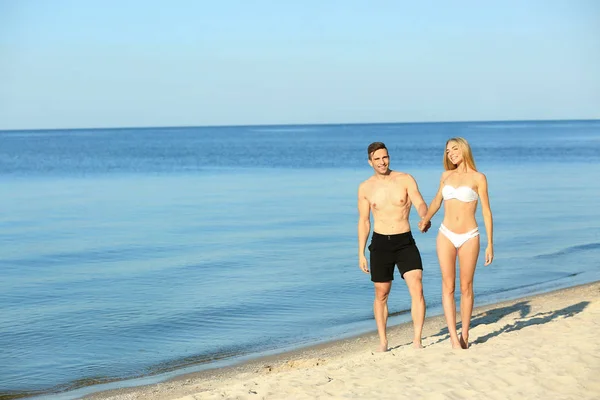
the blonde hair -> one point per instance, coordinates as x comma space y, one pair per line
465, 149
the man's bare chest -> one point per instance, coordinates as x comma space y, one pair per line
388, 196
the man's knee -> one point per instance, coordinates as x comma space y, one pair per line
382, 297
414, 281
382, 291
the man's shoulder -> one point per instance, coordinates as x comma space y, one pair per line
367, 181
365, 184
402, 176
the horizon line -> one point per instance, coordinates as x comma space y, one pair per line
294, 124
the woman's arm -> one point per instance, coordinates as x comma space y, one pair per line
482, 188
435, 205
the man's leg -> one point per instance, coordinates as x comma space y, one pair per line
414, 281
380, 310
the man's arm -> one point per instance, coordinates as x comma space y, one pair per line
364, 227
415, 196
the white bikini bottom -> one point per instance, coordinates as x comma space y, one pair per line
458, 239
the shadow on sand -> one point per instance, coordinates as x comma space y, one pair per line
523, 320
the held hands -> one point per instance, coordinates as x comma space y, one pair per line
424, 225
489, 255
362, 263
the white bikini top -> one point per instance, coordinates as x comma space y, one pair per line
461, 193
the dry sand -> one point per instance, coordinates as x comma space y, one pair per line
540, 347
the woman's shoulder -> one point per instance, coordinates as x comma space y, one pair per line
446, 174
479, 178
478, 175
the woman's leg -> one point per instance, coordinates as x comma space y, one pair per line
467, 258
447, 257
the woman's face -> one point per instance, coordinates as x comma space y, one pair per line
454, 153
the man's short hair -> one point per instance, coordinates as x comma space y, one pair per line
373, 147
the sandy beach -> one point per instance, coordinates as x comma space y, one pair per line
539, 347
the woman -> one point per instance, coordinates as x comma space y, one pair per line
460, 187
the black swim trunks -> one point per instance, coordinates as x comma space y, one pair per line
388, 251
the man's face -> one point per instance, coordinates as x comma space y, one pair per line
380, 161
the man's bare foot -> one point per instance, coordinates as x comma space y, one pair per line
383, 347
464, 343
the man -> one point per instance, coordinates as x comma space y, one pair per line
389, 195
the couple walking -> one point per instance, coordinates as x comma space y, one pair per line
389, 195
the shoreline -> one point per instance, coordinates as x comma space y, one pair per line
315, 356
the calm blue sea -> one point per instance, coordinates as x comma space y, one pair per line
126, 253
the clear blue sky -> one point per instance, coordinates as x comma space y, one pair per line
105, 63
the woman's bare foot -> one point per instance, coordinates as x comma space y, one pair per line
464, 343
383, 347
417, 344
456, 344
